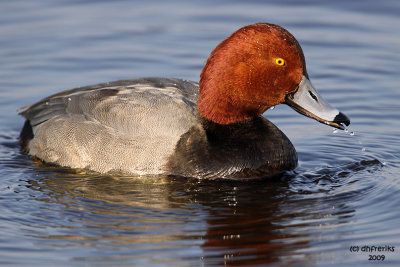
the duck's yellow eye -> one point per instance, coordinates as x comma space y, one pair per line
280, 61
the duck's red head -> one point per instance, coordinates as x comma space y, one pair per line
258, 66
250, 71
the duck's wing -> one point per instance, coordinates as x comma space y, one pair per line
125, 105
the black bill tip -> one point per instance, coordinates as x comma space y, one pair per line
342, 119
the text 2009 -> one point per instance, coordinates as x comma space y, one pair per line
376, 257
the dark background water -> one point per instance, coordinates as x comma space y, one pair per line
345, 192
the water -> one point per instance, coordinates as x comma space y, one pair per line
344, 194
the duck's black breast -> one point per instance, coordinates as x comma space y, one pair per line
250, 149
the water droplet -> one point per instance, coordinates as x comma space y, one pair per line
271, 108
335, 131
346, 130
352, 133
363, 149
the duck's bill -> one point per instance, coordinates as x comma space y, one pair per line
308, 102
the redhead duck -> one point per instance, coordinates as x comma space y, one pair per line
211, 129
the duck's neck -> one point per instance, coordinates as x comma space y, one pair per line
230, 131
224, 110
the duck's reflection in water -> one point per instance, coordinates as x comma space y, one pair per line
154, 218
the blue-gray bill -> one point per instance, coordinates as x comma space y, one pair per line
308, 102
